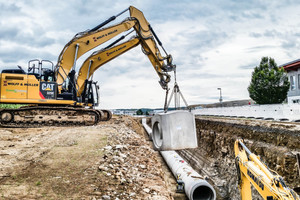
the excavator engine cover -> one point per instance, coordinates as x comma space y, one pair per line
174, 130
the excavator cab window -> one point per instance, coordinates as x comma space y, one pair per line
34, 68
43, 70
48, 75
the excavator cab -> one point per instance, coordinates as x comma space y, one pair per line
42, 70
37, 83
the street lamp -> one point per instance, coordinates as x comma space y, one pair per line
220, 95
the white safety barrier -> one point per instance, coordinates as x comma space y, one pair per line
280, 112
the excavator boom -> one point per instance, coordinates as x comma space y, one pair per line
99, 58
85, 41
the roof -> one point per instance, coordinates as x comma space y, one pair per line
291, 66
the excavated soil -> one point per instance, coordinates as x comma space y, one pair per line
112, 160
277, 143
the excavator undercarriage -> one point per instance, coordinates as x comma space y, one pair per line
35, 116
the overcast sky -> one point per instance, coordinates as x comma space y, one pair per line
213, 43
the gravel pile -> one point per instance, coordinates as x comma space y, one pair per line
131, 166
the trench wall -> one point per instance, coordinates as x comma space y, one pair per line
276, 143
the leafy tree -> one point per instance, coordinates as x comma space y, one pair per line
139, 112
269, 83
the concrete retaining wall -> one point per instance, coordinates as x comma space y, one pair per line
280, 112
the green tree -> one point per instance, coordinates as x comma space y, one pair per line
139, 112
269, 83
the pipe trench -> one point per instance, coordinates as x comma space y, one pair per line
195, 186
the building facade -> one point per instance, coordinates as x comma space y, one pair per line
293, 70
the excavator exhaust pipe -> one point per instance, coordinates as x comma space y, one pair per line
174, 130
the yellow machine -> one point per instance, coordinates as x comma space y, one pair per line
61, 95
251, 171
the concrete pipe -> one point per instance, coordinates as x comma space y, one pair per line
196, 188
147, 128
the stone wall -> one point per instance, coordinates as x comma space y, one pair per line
276, 143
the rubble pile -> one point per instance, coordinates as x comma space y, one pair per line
131, 166
111, 160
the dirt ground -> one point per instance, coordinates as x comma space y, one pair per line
112, 160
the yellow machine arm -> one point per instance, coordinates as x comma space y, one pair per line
99, 58
147, 37
85, 41
251, 171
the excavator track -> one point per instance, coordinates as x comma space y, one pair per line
27, 117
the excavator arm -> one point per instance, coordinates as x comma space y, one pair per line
85, 41
147, 35
99, 58
251, 171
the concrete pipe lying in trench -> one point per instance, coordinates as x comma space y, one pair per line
195, 187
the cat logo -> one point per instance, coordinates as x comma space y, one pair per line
47, 86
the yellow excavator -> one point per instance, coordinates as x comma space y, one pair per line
61, 95
252, 171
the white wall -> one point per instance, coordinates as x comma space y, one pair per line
290, 112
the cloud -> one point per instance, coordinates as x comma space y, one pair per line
8, 9
249, 66
213, 43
